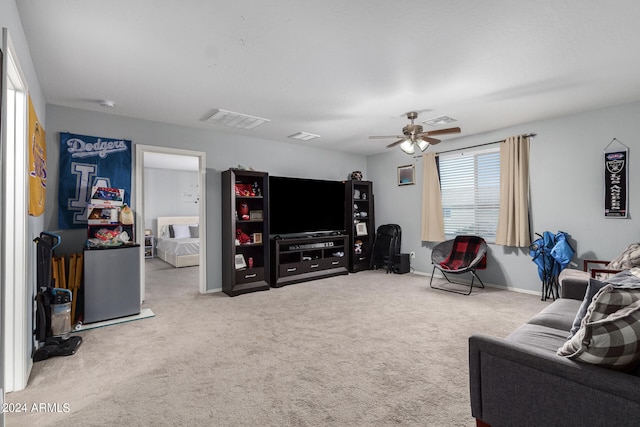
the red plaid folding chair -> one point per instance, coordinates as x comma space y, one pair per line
464, 254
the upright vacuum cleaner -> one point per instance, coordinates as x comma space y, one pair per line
53, 310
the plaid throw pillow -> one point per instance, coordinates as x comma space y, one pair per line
610, 331
610, 299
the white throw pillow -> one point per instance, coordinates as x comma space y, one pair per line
181, 231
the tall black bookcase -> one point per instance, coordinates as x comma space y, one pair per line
245, 231
360, 223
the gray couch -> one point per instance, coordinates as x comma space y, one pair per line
520, 381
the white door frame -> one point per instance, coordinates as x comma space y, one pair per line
139, 192
16, 327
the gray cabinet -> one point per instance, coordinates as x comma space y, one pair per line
111, 283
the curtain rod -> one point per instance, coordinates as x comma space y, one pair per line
529, 135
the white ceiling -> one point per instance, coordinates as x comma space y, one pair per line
343, 70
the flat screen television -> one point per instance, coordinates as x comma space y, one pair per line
299, 206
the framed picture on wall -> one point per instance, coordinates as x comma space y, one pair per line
406, 175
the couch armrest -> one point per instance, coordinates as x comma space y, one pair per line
586, 262
515, 384
573, 283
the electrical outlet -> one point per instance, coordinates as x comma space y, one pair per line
413, 254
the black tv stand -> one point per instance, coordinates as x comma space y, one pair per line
308, 258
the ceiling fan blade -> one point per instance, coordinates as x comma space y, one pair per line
442, 131
431, 141
393, 144
385, 136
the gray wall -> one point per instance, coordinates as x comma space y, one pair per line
169, 192
567, 191
222, 152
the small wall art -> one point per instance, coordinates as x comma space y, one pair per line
406, 175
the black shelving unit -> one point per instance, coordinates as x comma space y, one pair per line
360, 223
245, 214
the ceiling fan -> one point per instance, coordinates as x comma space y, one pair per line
412, 134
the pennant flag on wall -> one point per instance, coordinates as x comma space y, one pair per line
616, 183
87, 161
37, 164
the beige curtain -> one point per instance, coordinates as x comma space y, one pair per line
432, 220
513, 220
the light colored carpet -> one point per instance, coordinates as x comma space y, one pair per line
367, 349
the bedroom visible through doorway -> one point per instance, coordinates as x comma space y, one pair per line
171, 207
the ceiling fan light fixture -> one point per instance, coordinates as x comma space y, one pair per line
422, 144
408, 146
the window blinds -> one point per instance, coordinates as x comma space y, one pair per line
470, 186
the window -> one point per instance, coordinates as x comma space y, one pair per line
470, 185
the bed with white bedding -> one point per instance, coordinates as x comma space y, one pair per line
178, 241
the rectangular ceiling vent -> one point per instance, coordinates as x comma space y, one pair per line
235, 120
303, 136
441, 120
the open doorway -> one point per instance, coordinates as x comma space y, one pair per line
179, 163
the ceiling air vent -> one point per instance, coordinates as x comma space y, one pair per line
441, 120
303, 136
235, 120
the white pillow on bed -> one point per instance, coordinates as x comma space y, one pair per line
180, 231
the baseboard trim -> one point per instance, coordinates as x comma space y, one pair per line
489, 285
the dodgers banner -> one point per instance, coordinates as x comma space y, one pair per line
87, 161
615, 184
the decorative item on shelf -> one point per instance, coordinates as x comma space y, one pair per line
243, 209
256, 238
242, 237
240, 262
256, 190
363, 196
361, 229
245, 190
363, 214
256, 214
356, 176
356, 194
357, 247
